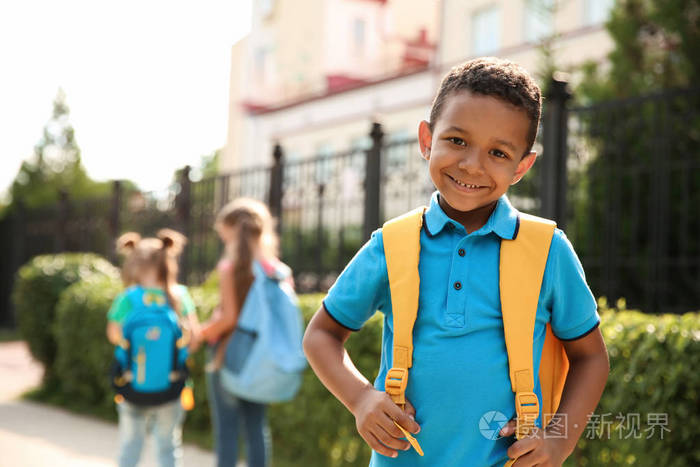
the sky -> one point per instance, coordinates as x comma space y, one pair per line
146, 81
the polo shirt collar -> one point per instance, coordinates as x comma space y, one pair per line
503, 221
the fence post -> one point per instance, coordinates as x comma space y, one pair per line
59, 243
373, 174
183, 203
114, 219
555, 125
276, 180
19, 233
320, 238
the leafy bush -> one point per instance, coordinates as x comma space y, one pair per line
315, 429
653, 387
37, 289
654, 361
83, 354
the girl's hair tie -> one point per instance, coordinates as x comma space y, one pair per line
127, 242
173, 241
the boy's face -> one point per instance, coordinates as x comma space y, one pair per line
475, 151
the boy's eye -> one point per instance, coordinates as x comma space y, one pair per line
456, 140
499, 153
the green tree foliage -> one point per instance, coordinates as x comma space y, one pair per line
55, 166
635, 179
656, 46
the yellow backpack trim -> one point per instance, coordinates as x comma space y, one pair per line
402, 249
522, 264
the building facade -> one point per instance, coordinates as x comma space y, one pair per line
314, 78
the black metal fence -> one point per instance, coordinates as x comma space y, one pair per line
622, 177
633, 205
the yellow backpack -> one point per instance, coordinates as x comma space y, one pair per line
522, 264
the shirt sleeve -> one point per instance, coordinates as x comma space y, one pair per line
362, 288
185, 300
119, 310
573, 306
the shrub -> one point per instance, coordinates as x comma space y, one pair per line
315, 429
83, 354
36, 292
654, 363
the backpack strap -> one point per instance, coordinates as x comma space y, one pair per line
401, 238
522, 266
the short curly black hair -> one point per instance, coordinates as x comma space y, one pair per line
491, 76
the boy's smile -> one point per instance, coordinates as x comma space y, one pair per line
475, 152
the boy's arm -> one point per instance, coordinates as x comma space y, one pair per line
374, 410
588, 372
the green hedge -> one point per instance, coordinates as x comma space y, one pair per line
654, 361
36, 293
83, 354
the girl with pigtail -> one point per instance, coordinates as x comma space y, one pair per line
246, 228
149, 273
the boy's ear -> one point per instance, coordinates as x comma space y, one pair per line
425, 139
524, 165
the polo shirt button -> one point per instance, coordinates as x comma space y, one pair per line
458, 285
461, 252
450, 226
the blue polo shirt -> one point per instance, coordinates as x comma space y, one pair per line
459, 382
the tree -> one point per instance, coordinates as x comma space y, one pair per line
657, 46
637, 181
55, 166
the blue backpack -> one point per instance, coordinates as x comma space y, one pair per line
264, 359
149, 366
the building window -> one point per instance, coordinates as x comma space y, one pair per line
265, 7
597, 11
539, 19
324, 162
260, 66
358, 36
361, 143
486, 31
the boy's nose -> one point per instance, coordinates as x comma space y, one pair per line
471, 161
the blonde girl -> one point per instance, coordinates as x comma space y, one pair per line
151, 264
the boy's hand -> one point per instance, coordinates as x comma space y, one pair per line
374, 418
536, 449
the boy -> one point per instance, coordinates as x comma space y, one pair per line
478, 142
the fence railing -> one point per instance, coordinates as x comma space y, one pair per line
622, 177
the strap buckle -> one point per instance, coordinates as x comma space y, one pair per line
527, 406
395, 384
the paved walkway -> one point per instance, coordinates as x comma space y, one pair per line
36, 435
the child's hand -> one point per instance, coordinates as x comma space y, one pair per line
508, 429
536, 449
195, 341
374, 418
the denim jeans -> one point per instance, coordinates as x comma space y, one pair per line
227, 414
165, 420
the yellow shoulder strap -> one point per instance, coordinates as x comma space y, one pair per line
522, 265
401, 238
